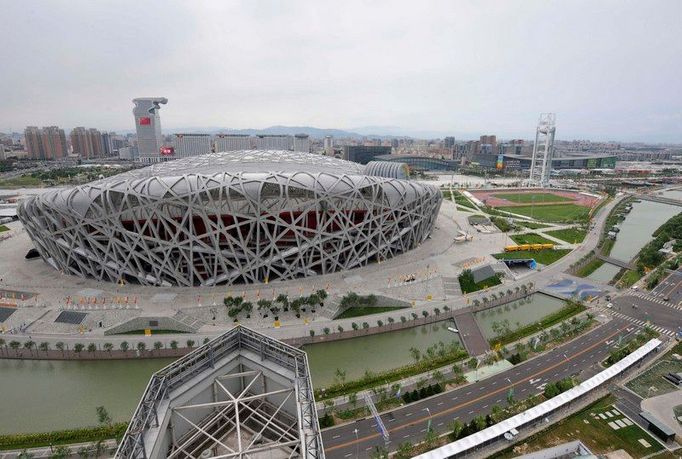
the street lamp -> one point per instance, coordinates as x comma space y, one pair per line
428, 424
357, 443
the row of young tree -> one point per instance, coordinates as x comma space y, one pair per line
78, 348
282, 303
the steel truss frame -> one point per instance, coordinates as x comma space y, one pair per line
245, 412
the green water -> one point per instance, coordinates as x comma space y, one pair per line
519, 313
375, 353
635, 233
44, 395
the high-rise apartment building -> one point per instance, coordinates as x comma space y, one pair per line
33, 141
191, 144
329, 145
449, 142
108, 143
489, 140
274, 142
302, 143
87, 143
148, 127
233, 142
46, 143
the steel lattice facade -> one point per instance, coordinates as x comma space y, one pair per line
231, 217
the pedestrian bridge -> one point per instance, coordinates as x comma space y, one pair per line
617, 262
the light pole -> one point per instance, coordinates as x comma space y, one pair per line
357, 442
428, 424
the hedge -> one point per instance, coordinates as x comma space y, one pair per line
62, 437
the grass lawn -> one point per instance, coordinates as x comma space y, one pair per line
654, 376
570, 235
552, 213
629, 278
530, 238
589, 268
21, 181
365, 311
531, 225
544, 257
593, 431
523, 198
460, 199
489, 282
3, 228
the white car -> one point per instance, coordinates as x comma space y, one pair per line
610, 305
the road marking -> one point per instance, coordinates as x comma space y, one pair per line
408, 414
439, 404
336, 436
587, 350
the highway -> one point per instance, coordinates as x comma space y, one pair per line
409, 423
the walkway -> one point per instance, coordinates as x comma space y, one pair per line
661, 199
470, 333
617, 262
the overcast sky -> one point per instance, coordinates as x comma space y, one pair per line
609, 69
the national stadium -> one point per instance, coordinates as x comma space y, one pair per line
234, 217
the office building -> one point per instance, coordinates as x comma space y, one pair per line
191, 144
107, 143
148, 127
449, 142
364, 153
233, 142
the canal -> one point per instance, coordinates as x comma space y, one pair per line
635, 233
518, 313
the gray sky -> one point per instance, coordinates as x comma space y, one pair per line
609, 69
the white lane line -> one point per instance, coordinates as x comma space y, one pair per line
439, 403
408, 414
336, 436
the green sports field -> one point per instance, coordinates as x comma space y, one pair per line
552, 213
527, 198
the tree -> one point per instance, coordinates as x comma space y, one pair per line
60, 346
353, 398
455, 428
365, 325
414, 316
61, 451
312, 332
340, 377
92, 347
14, 345
436, 311
158, 345
403, 319
380, 323
190, 343
103, 416
354, 326
206, 340
425, 314
404, 450
340, 329
430, 438
108, 347
326, 330
416, 355
174, 345
124, 346
391, 320
29, 345
437, 376
472, 363
44, 346
141, 346
78, 348
379, 452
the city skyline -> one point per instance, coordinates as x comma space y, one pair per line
607, 69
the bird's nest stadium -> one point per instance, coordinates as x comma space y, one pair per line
232, 217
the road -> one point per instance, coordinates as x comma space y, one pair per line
409, 423
640, 308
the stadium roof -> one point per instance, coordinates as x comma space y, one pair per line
241, 161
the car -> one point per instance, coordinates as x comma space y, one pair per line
665, 298
610, 305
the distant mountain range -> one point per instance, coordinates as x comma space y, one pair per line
382, 132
